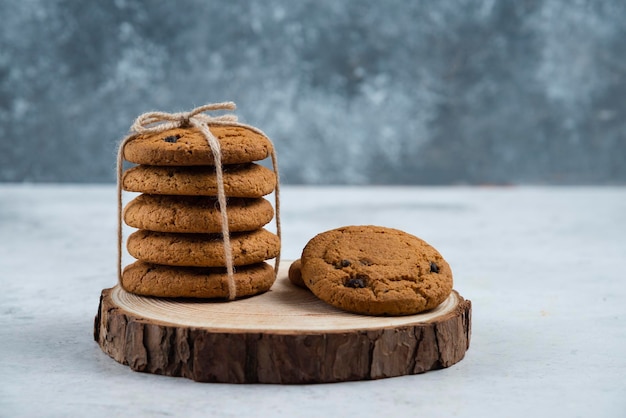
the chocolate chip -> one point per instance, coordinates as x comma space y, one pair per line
355, 283
171, 139
433, 267
343, 263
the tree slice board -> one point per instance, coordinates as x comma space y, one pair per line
286, 335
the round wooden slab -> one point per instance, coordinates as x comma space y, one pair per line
286, 335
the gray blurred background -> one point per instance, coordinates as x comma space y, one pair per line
351, 92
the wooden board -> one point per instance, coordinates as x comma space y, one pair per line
286, 335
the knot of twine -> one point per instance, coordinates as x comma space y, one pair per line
156, 122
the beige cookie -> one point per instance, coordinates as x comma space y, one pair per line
195, 282
242, 180
376, 271
202, 250
184, 147
195, 214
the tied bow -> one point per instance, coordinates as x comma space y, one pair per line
155, 122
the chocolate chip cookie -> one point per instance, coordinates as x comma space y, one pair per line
148, 279
184, 147
240, 180
202, 250
375, 270
295, 274
196, 214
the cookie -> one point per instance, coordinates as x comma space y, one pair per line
202, 250
195, 214
295, 274
242, 180
184, 147
195, 282
375, 271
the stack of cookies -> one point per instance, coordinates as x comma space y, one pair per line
178, 243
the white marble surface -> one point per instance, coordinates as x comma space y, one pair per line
544, 268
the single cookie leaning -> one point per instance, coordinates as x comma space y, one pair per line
194, 282
184, 147
195, 214
375, 271
202, 250
241, 180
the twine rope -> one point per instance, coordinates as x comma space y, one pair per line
156, 122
